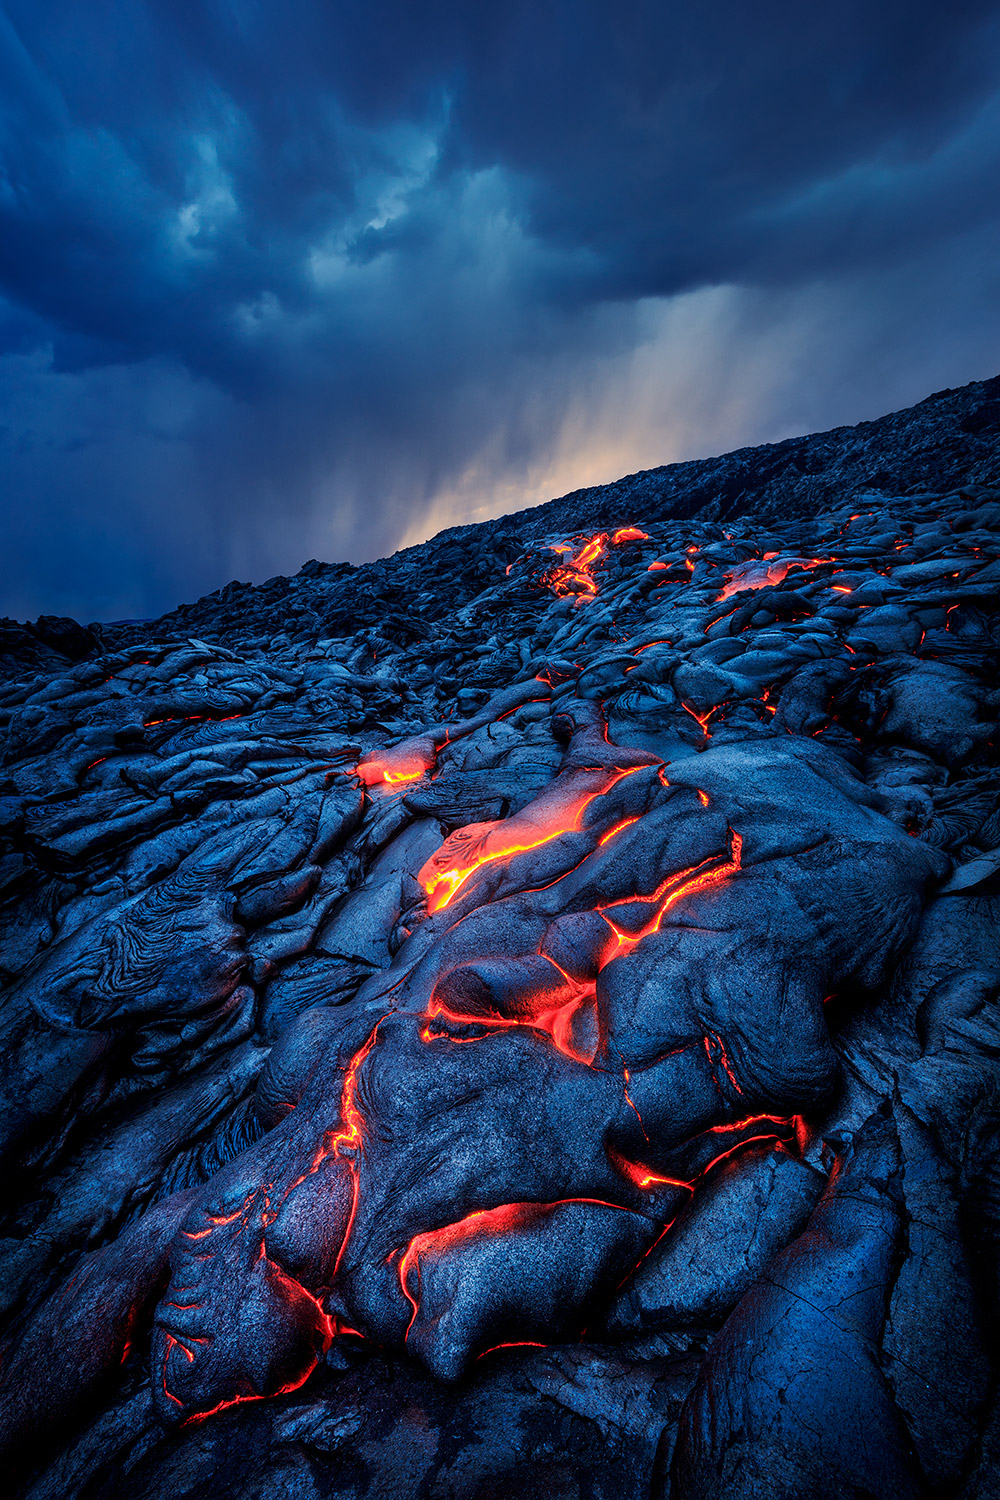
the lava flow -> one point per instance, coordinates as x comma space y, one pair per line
759, 573
700, 877
574, 576
347, 1141
644, 1177
488, 842
507, 1218
557, 1012
406, 762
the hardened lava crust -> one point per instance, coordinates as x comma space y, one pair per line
519, 1019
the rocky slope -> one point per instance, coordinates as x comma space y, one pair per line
948, 441
519, 1018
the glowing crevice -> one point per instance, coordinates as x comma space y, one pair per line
443, 883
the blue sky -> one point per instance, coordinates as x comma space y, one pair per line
317, 279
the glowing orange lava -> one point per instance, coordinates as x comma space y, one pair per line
644, 1177
348, 1140
625, 823
553, 1011
385, 768
190, 719
574, 576
701, 719
482, 1222
675, 888
759, 573
500, 840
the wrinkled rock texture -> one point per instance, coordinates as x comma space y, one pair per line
520, 1018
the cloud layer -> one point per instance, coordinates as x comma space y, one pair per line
316, 279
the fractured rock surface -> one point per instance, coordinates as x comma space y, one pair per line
536, 1036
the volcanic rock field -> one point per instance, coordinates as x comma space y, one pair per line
519, 1018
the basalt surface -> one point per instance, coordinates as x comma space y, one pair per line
520, 1019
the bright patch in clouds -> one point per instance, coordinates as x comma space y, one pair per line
320, 279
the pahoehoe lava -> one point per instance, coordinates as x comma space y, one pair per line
520, 1017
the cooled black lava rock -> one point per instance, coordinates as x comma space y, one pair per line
521, 1017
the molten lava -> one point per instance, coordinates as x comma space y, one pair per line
702, 720
644, 1177
393, 769
607, 837
574, 576
482, 1223
759, 573
557, 1012
701, 877
348, 1140
488, 842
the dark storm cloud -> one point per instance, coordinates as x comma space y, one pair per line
696, 147
275, 277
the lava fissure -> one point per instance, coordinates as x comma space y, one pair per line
414, 938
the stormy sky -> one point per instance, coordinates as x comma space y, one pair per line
295, 278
